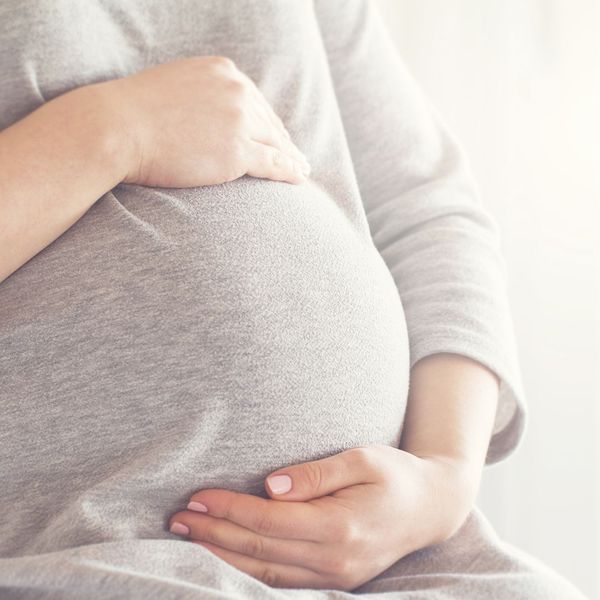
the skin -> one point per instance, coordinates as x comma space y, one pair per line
191, 122
200, 121
350, 516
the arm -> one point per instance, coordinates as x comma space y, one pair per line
56, 162
427, 221
375, 502
451, 406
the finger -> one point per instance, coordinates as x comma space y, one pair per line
288, 520
262, 130
277, 122
265, 110
275, 117
272, 115
232, 536
318, 478
270, 573
263, 160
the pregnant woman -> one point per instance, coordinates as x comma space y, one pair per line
188, 306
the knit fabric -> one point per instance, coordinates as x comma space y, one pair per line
174, 340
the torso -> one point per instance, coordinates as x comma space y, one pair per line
178, 339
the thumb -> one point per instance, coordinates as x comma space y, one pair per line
318, 478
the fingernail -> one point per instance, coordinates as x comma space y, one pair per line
197, 506
179, 528
280, 484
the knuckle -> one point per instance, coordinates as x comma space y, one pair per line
236, 87
276, 158
263, 524
364, 457
209, 533
253, 546
345, 532
228, 508
236, 116
269, 577
314, 475
222, 62
339, 566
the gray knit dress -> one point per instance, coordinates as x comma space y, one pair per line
179, 339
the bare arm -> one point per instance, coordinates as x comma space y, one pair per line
451, 408
55, 163
58, 160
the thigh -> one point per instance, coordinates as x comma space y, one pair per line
473, 564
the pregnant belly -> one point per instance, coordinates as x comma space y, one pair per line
175, 340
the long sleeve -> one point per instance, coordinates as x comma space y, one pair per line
423, 208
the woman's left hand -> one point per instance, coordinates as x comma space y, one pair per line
346, 518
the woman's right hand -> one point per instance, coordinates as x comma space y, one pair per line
200, 121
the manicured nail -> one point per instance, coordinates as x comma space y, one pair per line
280, 484
197, 506
179, 528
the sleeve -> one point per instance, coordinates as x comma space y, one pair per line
422, 204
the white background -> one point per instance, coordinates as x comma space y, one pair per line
518, 81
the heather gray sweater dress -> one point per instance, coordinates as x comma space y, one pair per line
179, 339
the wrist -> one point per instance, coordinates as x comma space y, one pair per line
456, 484
113, 140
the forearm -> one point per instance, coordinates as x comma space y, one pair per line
55, 163
450, 414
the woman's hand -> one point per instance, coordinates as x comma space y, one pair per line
345, 519
199, 121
